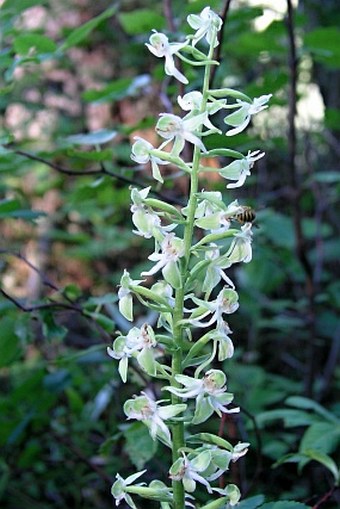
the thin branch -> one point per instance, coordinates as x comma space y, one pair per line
296, 205
325, 497
292, 148
223, 16
95, 171
69, 305
169, 16
38, 307
45, 280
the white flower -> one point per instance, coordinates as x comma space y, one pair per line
240, 249
188, 471
225, 344
215, 270
172, 127
207, 24
164, 290
125, 304
119, 487
241, 118
225, 303
209, 392
172, 248
192, 102
121, 352
141, 153
147, 222
239, 169
160, 47
138, 343
146, 409
209, 209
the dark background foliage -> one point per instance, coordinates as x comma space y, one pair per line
66, 237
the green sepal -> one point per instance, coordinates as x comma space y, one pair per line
166, 207
209, 438
146, 360
202, 412
150, 295
216, 504
219, 93
150, 493
172, 275
195, 273
197, 347
167, 156
195, 361
123, 368
224, 152
196, 53
215, 237
125, 306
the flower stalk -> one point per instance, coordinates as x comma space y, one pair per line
187, 270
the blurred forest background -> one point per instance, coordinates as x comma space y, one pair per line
77, 83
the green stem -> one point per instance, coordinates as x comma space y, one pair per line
178, 428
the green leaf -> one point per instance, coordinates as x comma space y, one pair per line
9, 205
21, 5
140, 21
95, 138
291, 418
24, 44
309, 404
321, 436
80, 33
103, 320
327, 177
325, 460
139, 445
285, 504
108, 298
114, 91
51, 329
102, 155
251, 502
12, 208
9, 341
324, 44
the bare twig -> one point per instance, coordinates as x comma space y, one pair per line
325, 497
69, 305
45, 280
92, 171
295, 201
167, 8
